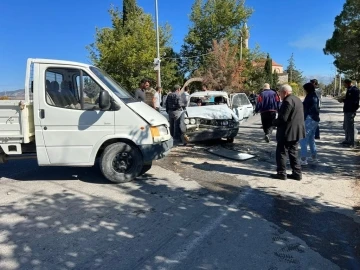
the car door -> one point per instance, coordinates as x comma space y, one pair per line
70, 119
235, 104
248, 107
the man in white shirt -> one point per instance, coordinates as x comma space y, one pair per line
157, 98
185, 97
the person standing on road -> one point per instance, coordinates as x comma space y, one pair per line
290, 129
140, 92
174, 110
252, 99
312, 119
268, 105
351, 105
319, 94
157, 98
185, 97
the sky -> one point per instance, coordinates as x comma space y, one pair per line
63, 29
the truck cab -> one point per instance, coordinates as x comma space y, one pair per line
74, 113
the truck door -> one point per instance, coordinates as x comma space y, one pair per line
70, 118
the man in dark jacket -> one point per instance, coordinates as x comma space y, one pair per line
351, 105
268, 104
174, 110
290, 129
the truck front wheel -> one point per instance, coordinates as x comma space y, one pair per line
121, 162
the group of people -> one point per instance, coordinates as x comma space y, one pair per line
174, 102
296, 121
299, 122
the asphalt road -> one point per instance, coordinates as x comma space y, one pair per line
192, 210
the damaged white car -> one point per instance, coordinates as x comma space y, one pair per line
213, 115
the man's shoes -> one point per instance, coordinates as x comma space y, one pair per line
267, 138
345, 143
293, 176
303, 162
278, 176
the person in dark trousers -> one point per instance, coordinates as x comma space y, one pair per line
252, 99
351, 105
290, 130
312, 119
319, 94
174, 110
268, 104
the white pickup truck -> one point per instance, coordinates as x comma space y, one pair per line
74, 113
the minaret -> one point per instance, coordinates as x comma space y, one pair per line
246, 35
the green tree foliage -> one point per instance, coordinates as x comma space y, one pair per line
268, 70
344, 44
211, 20
275, 80
253, 74
91, 88
129, 6
127, 50
295, 75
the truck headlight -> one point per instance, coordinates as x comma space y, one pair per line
159, 131
192, 121
225, 123
187, 121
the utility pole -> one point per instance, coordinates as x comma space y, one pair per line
157, 43
335, 84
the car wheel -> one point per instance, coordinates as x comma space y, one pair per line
121, 162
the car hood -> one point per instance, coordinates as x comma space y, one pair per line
211, 112
150, 115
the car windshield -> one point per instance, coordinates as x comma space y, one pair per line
207, 100
118, 90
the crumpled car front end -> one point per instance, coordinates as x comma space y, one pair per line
198, 124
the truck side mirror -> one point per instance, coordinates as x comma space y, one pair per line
104, 100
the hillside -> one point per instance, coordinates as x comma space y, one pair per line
15, 94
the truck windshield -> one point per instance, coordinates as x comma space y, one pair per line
118, 90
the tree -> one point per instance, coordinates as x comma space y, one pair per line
127, 50
295, 76
268, 70
211, 20
129, 6
222, 69
91, 88
344, 45
275, 79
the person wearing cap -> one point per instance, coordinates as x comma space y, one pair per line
174, 110
351, 105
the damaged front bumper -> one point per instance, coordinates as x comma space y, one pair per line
202, 134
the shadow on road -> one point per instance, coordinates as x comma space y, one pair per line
69, 229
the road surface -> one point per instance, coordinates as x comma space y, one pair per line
193, 210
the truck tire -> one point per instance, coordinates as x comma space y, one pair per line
145, 168
121, 162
